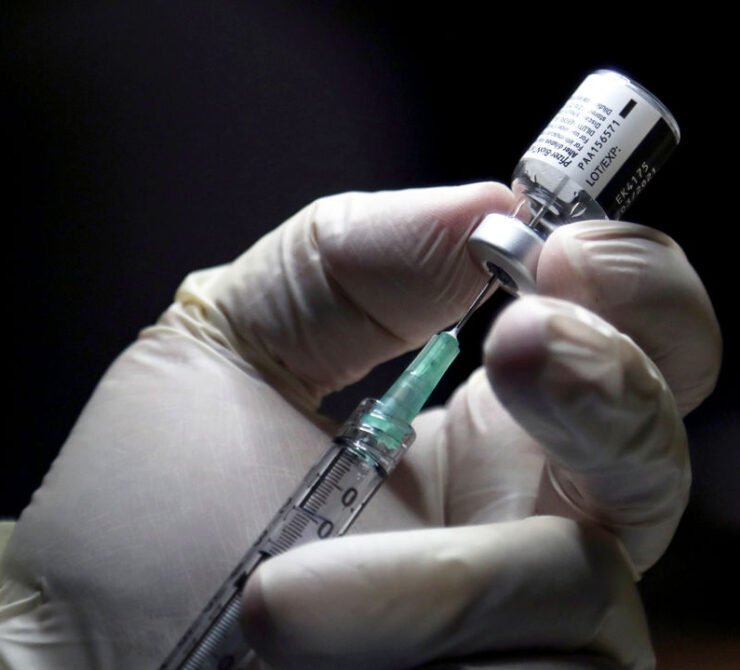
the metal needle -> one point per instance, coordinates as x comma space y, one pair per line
492, 283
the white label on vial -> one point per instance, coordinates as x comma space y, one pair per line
595, 132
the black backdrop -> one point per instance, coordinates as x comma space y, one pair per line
145, 140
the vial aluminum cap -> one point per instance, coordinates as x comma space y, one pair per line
509, 247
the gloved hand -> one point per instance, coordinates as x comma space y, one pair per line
200, 430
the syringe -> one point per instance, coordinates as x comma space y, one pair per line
328, 500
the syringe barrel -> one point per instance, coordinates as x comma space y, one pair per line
599, 152
324, 505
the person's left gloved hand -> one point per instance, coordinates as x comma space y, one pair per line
202, 428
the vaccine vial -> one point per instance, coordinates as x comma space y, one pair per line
593, 159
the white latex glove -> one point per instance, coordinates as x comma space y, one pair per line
200, 430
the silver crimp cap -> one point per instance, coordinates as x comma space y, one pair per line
507, 244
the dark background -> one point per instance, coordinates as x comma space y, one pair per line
145, 140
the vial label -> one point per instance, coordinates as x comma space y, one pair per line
608, 139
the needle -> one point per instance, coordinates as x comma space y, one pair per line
492, 283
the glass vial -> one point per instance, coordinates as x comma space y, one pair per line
591, 161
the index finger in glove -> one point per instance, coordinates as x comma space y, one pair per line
350, 281
398, 600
